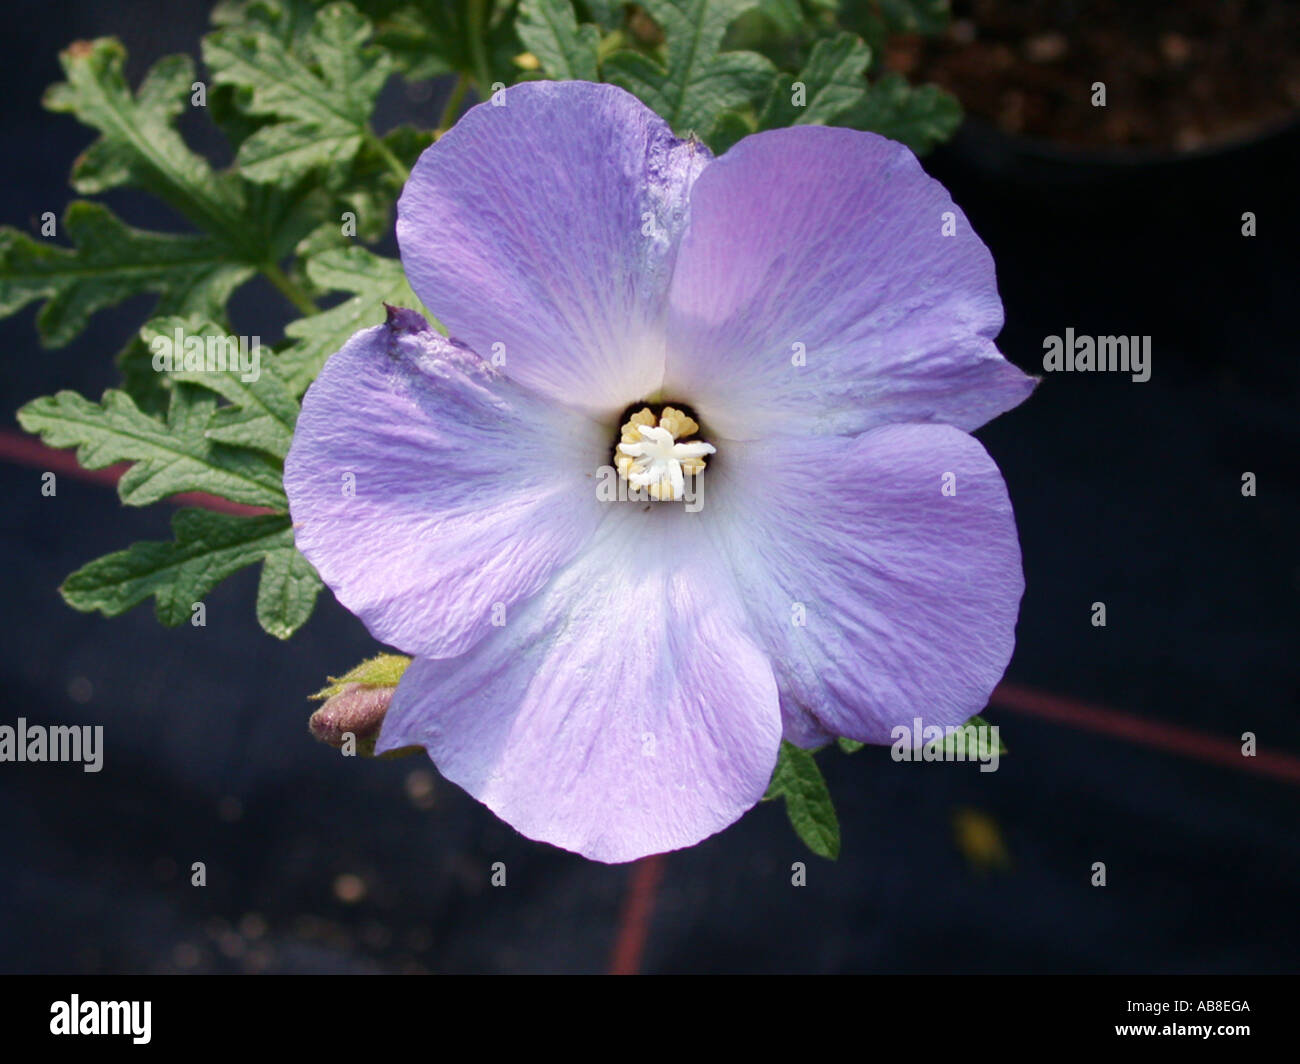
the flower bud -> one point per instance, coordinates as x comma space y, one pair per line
355, 705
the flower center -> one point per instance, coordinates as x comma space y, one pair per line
657, 454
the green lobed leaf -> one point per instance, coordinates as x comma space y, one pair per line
110, 262
426, 40
246, 227
786, 15
139, 145
288, 21
833, 80
918, 117
607, 14
262, 410
973, 740
373, 280
879, 20
286, 591
170, 457
808, 804
550, 30
323, 99
849, 746
197, 430
207, 547
696, 82
371, 189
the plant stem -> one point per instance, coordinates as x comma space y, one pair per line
288, 289
478, 24
392, 161
452, 109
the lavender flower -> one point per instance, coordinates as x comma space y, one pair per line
804, 325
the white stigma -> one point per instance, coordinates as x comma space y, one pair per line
655, 460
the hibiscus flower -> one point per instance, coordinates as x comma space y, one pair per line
797, 336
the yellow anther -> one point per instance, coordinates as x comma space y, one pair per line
650, 456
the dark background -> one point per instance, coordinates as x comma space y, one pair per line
1127, 493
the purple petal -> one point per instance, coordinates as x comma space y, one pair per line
879, 597
827, 245
428, 490
800, 727
624, 710
549, 225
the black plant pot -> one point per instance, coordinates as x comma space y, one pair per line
1028, 164
1159, 235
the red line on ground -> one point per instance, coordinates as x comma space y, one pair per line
1170, 738
23, 450
638, 909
